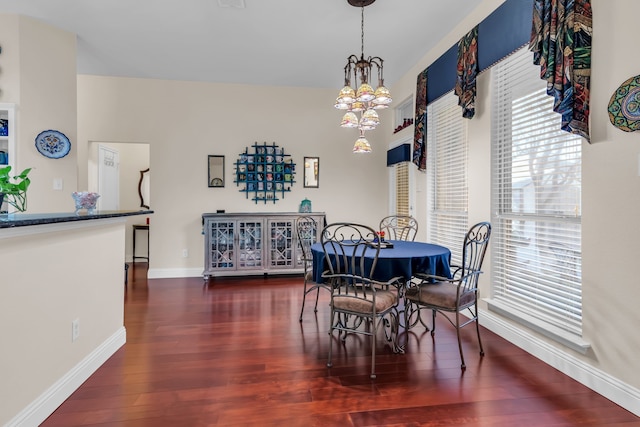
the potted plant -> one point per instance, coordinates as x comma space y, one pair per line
13, 189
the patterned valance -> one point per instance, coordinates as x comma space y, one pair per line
561, 44
467, 72
504, 31
420, 128
501, 33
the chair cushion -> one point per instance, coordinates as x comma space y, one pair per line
364, 304
308, 276
441, 294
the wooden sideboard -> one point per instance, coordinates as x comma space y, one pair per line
253, 243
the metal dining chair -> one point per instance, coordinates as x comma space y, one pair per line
456, 294
399, 227
351, 252
307, 232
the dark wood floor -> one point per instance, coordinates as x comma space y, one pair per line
234, 353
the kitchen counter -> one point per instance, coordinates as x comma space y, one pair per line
22, 220
62, 298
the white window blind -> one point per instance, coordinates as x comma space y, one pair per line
536, 173
403, 206
447, 152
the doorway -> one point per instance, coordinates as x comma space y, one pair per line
131, 159
118, 185
108, 178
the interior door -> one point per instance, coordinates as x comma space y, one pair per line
108, 178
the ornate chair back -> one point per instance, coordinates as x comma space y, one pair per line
307, 229
399, 227
307, 232
473, 250
351, 251
455, 294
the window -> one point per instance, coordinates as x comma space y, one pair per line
447, 168
403, 205
403, 114
401, 185
536, 201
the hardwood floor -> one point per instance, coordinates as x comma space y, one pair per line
233, 353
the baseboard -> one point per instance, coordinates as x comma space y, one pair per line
38, 410
170, 273
602, 383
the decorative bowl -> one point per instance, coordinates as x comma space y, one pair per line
85, 200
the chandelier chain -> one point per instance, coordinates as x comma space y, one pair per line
362, 33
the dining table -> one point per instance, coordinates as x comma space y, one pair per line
398, 258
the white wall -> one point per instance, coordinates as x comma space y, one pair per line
610, 202
184, 122
611, 206
52, 275
39, 76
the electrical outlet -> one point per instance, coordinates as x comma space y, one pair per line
75, 330
185, 253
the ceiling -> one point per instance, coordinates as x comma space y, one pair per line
300, 43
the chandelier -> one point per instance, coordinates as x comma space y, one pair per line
364, 100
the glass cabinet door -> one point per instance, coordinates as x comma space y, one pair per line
245, 243
222, 247
250, 244
281, 251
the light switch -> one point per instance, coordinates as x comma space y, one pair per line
57, 183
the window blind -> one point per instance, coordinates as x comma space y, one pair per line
402, 188
447, 165
536, 174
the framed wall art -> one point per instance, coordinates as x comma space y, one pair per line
311, 172
215, 171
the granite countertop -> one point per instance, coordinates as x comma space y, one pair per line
22, 220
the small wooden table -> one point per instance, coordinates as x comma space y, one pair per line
137, 227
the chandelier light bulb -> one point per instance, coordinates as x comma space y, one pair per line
339, 105
365, 93
347, 95
382, 96
362, 146
358, 106
349, 120
369, 119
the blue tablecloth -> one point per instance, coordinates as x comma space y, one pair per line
405, 259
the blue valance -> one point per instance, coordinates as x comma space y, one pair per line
499, 34
401, 153
442, 74
503, 32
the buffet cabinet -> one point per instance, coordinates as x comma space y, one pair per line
253, 243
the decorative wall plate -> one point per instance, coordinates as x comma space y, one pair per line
53, 144
624, 106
